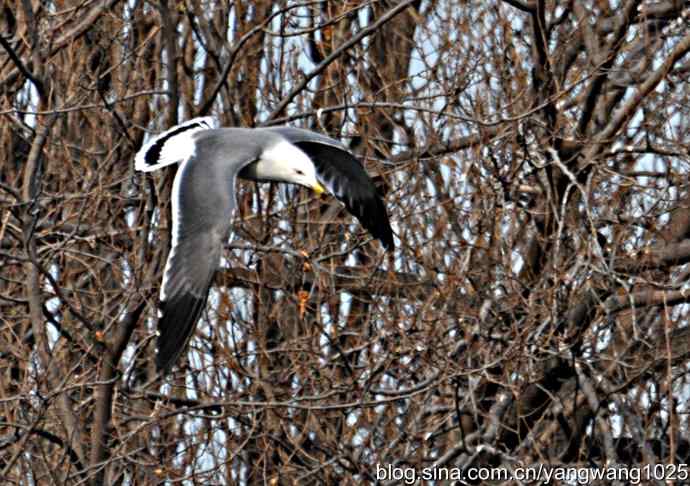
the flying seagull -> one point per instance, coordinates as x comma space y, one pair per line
203, 199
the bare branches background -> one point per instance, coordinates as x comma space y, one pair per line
534, 159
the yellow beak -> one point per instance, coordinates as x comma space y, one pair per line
318, 189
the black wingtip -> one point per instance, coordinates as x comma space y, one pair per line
353, 186
175, 328
387, 241
370, 210
380, 226
153, 154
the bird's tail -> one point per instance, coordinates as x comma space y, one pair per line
171, 146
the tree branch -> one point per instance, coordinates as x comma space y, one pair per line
170, 41
626, 112
103, 393
645, 298
223, 79
595, 88
528, 7
30, 189
364, 33
22, 68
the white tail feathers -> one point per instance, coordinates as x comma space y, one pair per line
172, 146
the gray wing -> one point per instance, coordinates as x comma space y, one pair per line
345, 178
203, 199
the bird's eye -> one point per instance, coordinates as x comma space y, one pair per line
300, 172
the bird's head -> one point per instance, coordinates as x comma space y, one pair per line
284, 162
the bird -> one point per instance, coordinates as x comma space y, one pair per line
210, 160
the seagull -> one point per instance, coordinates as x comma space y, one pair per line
203, 199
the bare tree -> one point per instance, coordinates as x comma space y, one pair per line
534, 161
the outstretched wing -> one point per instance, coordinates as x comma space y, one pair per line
201, 220
203, 199
345, 178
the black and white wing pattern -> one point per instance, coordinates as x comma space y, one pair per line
172, 146
345, 178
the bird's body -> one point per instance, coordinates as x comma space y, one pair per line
203, 200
